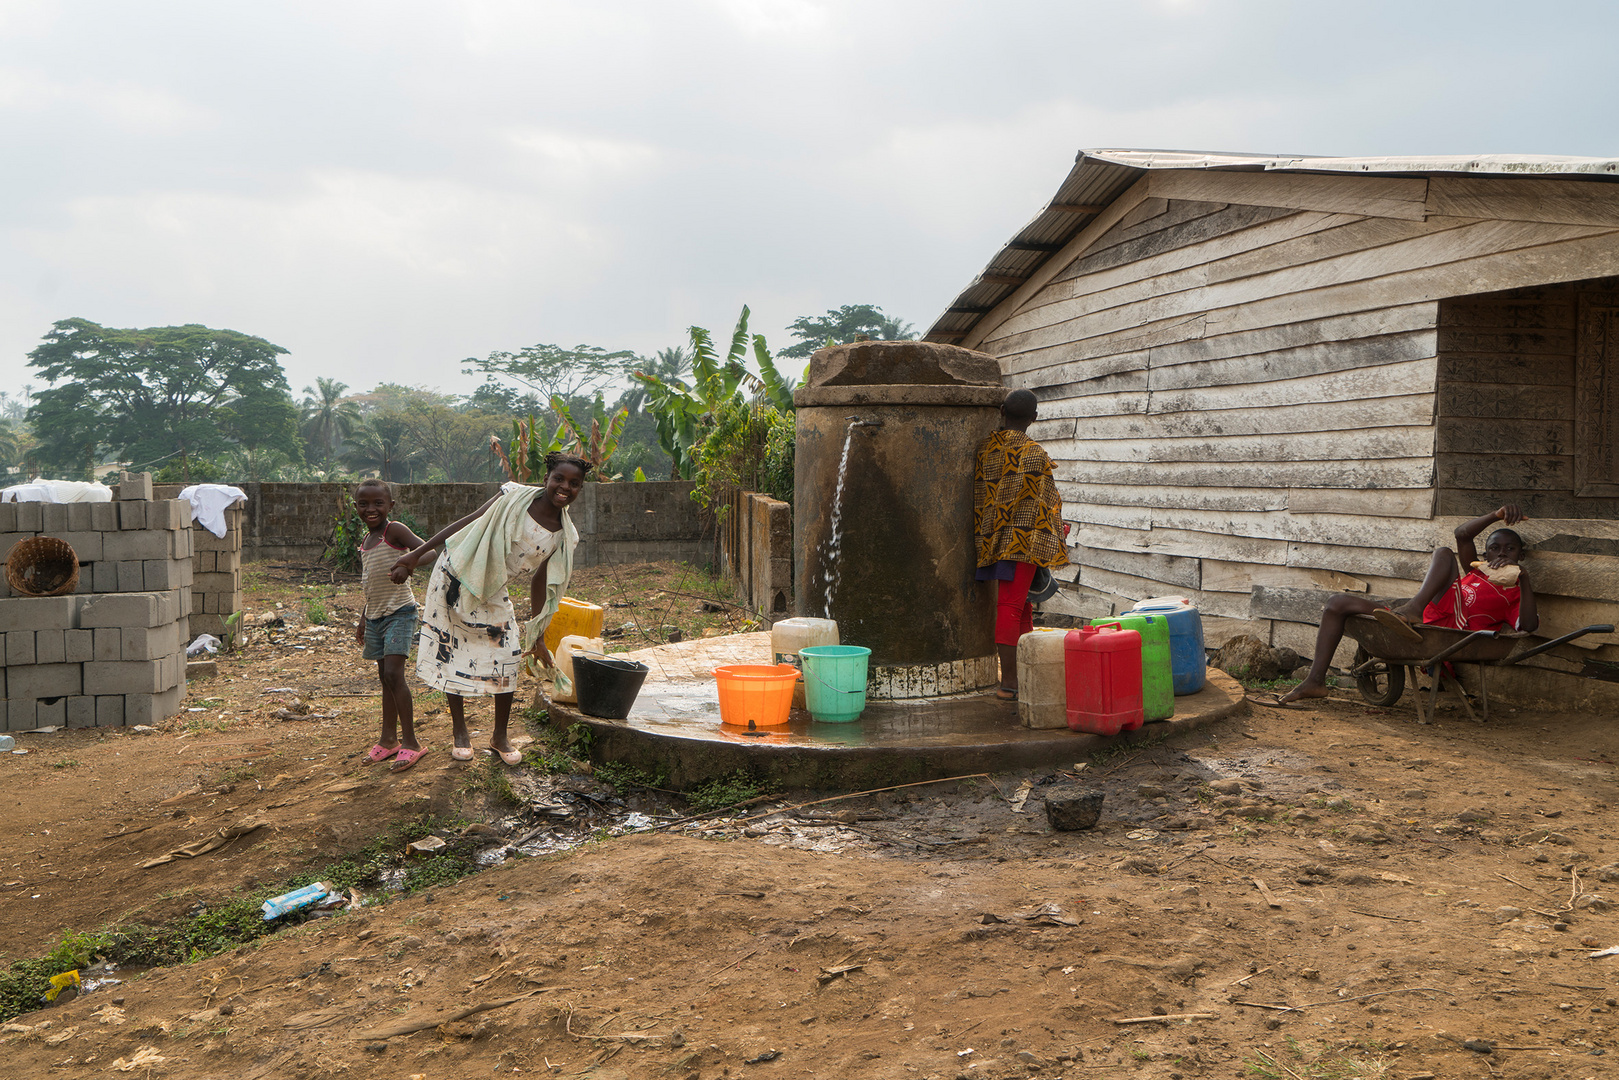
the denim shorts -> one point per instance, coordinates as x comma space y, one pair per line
391, 635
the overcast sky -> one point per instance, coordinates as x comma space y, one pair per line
385, 188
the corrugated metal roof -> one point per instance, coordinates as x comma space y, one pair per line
1100, 176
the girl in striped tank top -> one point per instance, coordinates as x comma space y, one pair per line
387, 626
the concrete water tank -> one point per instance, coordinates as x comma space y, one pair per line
897, 422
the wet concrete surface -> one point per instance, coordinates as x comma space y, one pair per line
675, 727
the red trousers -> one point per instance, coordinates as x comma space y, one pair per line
1014, 615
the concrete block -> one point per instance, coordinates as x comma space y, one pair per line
19, 649
50, 647
2, 681
131, 515
78, 646
28, 517
203, 540
104, 576
170, 672
201, 669
81, 712
53, 714
204, 562
103, 516
4, 723
181, 569
214, 582
181, 548
176, 515
37, 613
135, 485
120, 610
152, 708
110, 711
131, 577
172, 605
86, 543
109, 643
53, 518
8, 517
78, 517
206, 623
122, 677
142, 545
86, 583
43, 681
149, 643
160, 574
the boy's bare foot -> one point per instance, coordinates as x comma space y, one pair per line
1301, 691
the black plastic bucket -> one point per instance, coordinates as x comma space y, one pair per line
607, 686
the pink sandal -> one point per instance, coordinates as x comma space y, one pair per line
510, 757
379, 753
407, 758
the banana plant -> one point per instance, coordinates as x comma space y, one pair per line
598, 445
526, 461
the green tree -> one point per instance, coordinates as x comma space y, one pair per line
454, 444
382, 446
144, 396
841, 326
670, 365
552, 371
328, 418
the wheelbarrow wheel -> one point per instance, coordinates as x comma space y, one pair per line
1379, 682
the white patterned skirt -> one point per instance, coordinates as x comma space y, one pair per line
467, 646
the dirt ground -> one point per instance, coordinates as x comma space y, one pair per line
1335, 891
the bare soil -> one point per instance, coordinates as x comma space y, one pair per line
1430, 898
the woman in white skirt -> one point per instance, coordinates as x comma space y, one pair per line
470, 642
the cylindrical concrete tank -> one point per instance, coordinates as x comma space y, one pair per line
890, 556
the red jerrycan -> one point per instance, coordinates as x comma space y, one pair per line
1102, 668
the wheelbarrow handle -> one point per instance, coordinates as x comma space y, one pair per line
1599, 628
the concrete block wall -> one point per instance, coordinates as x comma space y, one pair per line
216, 582
216, 567
112, 653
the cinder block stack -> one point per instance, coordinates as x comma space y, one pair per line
112, 653
216, 583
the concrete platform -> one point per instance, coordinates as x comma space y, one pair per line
675, 728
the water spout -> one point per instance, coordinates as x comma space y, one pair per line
857, 422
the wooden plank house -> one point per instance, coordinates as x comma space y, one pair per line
1267, 379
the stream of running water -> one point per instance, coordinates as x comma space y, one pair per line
832, 547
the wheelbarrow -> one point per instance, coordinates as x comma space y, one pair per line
1384, 656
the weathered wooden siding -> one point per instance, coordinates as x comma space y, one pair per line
1507, 401
1244, 380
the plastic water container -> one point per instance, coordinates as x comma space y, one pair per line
788, 636
564, 689
1042, 691
835, 681
1103, 668
574, 617
755, 695
1157, 672
1185, 639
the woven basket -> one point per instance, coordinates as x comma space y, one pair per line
42, 566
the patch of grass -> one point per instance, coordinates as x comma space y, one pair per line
1299, 1061
622, 776
65, 763
728, 790
239, 773
316, 612
488, 776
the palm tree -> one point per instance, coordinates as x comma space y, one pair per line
382, 444
328, 418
